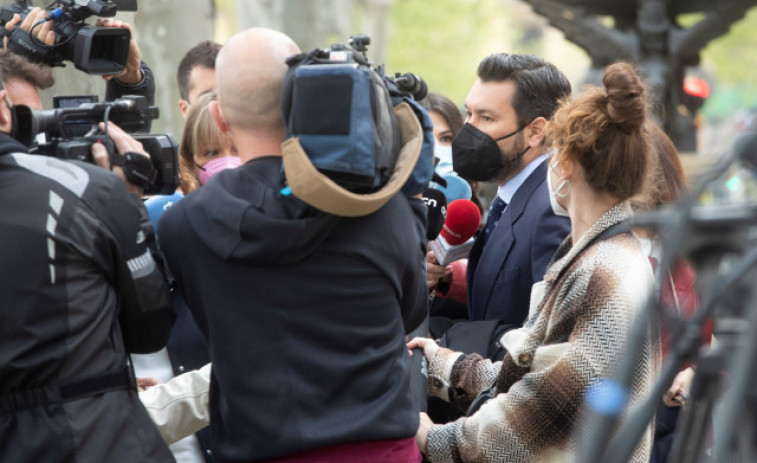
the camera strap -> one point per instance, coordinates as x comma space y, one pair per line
22, 43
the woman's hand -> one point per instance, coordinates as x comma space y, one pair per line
421, 436
679, 390
429, 346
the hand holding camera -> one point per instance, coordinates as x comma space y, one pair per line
131, 161
43, 33
132, 73
51, 37
70, 133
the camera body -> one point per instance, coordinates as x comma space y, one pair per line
341, 109
94, 50
407, 84
70, 132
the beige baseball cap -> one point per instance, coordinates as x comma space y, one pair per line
319, 191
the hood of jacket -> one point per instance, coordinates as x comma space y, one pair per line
241, 215
9, 144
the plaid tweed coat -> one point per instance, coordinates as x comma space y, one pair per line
576, 332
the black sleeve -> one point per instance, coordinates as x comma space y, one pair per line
415, 292
146, 87
134, 263
147, 314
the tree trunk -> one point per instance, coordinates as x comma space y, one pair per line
318, 23
303, 20
166, 30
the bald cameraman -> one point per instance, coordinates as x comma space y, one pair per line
80, 286
305, 312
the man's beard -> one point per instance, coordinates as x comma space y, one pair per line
512, 161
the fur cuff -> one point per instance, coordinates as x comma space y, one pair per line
440, 371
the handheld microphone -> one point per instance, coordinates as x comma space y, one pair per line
436, 203
456, 237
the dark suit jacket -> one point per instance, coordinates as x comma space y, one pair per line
500, 274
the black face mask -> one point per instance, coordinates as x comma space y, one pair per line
476, 156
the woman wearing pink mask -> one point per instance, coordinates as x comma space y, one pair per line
204, 150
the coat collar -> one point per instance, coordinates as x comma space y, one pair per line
523, 342
567, 251
520, 198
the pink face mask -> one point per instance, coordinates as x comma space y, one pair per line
214, 166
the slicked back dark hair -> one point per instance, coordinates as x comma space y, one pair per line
203, 54
540, 85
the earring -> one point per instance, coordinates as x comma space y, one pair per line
564, 183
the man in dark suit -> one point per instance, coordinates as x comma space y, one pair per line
503, 141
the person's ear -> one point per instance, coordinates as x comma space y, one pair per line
184, 108
536, 131
6, 118
215, 112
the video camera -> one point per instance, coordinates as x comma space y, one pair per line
407, 84
94, 50
340, 108
69, 133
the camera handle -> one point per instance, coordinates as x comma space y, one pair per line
137, 167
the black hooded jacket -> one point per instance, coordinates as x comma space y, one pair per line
79, 288
305, 312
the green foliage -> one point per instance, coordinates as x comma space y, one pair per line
443, 41
730, 60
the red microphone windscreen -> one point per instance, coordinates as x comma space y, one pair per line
463, 219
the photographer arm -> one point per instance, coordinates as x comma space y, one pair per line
124, 144
137, 78
127, 250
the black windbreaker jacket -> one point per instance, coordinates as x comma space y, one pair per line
80, 287
305, 312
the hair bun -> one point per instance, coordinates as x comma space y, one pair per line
626, 96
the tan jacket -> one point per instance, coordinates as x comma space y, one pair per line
575, 334
179, 407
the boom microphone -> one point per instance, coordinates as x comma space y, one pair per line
436, 203
456, 238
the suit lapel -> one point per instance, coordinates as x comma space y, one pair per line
490, 260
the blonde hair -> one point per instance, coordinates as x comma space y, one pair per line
200, 132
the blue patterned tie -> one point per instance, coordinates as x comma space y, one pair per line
495, 212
